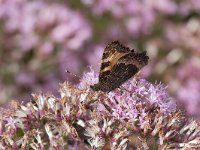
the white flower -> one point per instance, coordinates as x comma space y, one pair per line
96, 142
92, 131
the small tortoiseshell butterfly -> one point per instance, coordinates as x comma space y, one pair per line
119, 63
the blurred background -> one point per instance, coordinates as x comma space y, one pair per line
40, 39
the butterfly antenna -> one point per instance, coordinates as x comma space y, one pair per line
67, 71
80, 78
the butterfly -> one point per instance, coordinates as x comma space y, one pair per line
119, 64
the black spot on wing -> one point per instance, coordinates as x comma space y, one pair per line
106, 55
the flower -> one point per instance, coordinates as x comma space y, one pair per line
102, 119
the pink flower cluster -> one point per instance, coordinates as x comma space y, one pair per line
43, 38
85, 119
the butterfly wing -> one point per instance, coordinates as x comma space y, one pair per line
118, 65
112, 53
126, 67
